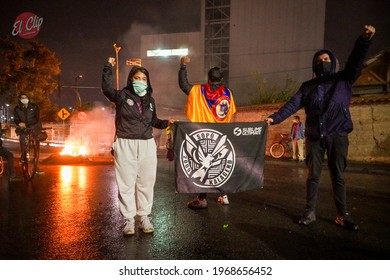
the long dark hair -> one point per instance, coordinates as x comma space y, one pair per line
135, 70
145, 100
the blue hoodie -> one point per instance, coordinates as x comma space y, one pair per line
326, 98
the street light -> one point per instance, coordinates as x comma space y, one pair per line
78, 97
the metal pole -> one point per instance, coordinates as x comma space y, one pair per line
76, 89
117, 49
59, 89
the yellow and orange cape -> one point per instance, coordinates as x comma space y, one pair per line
212, 107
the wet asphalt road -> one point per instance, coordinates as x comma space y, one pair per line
71, 212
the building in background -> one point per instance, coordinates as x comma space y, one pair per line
163, 67
276, 39
375, 77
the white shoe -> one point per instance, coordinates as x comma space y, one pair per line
129, 227
223, 200
39, 172
146, 225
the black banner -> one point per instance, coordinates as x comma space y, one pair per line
213, 156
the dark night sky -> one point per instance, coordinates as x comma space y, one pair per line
345, 18
82, 33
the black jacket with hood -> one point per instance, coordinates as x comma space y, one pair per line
130, 123
326, 98
29, 115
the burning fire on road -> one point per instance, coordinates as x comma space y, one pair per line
74, 150
89, 136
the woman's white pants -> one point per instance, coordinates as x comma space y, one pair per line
135, 170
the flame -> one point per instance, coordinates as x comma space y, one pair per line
74, 150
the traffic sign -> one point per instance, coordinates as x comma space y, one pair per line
82, 116
63, 114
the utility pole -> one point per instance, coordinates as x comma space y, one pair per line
117, 49
76, 89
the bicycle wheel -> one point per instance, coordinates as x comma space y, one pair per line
30, 163
1, 165
276, 150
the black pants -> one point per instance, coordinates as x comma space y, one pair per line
9, 157
22, 142
336, 149
204, 195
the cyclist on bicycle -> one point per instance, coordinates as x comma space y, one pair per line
26, 115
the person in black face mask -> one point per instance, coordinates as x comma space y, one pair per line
323, 66
326, 100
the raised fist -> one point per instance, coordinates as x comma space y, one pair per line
111, 60
368, 31
185, 60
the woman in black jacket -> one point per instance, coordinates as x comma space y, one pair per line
135, 150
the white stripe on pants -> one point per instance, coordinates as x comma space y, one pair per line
135, 170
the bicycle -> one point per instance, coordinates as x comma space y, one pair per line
1, 165
2, 131
278, 149
30, 154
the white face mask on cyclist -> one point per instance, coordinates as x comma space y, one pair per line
24, 101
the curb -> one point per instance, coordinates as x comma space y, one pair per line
353, 167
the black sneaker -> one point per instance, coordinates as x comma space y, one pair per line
346, 222
307, 218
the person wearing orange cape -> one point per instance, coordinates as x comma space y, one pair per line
210, 103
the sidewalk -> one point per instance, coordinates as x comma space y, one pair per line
352, 166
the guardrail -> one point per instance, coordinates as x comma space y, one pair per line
372, 88
57, 133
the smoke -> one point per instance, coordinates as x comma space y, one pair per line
94, 130
131, 47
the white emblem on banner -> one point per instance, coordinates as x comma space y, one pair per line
208, 157
247, 131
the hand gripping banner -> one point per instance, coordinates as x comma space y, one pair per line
213, 156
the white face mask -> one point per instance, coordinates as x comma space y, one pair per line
140, 88
24, 101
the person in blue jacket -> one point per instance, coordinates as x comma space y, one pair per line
297, 135
326, 100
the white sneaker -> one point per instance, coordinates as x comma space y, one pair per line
146, 225
129, 227
39, 172
223, 200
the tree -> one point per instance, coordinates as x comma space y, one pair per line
268, 94
30, 68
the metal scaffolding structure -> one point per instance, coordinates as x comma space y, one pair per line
217, 35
